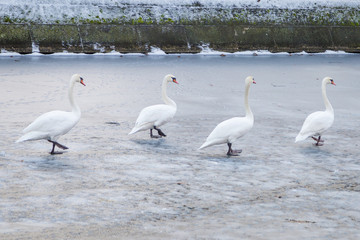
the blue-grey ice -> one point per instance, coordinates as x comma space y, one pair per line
110, 185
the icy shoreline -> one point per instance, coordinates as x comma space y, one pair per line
205, 50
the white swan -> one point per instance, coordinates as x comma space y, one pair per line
318, 122
230, 130
153, 117
51, 125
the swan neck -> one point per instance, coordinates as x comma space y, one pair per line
165, 98
248, 111
75, 108
327, 103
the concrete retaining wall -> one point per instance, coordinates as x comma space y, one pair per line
91, 38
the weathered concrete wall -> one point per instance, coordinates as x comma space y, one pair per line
171, 38
101, 26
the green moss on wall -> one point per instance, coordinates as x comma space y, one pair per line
199, 15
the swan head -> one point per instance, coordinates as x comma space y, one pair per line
77, 78
171, 78
329, 80
249, 80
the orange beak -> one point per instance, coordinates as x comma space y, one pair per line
82, 81
174, 80
333, 83
254, 82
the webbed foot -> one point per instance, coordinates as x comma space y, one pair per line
233, 152
56, 153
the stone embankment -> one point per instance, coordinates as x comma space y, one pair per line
182, 30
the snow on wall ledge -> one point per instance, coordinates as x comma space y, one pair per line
134, 26
309, 12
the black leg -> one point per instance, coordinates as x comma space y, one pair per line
161, 133
53, 148
229, 151
58, 145
61, 146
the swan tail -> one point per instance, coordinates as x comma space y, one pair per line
300, 137
202, 146
22, 139
205, 145
213, 141
30, 136
141, 127
134, 130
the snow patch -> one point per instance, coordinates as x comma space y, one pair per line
112, 53
301, 53
98, 47
206, 50
156, 51
4, 53
35, 49
332, 52
66, 53
257, 52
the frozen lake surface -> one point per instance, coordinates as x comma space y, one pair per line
109, 185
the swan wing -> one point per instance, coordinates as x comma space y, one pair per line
228, 131
315, 124
155, 115
52, 124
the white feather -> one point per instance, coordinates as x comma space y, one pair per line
52, 125
151, 116
318, 122
156, 115
230, 130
